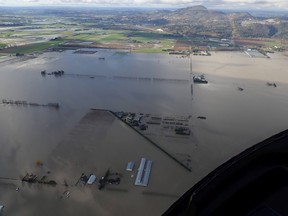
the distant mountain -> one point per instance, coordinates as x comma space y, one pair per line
240, 15
196, 12
200, 21
196, 8
246, 25
191, 9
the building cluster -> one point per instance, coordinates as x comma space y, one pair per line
143, 172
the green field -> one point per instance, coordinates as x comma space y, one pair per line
33, 36
31, 48
146, 42
36, 32
2, 45
278, 43
149, 50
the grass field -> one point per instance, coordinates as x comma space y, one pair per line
146, 42
278, 43
74, 31
148, 50
2, 45
143, 41
27, 49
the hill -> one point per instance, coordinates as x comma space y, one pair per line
200, 21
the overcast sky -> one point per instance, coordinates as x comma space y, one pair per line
255, 4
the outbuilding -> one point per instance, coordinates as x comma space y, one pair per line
1, 208
130, 166
91, 179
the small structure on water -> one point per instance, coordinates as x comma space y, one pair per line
200, 79
1, 208
103, 180
55, 73
109, 178
25, 103
183, 130
130, 166
144, 171
55, 105
33, 178
143, 127
271, 84
201, 117
91, 179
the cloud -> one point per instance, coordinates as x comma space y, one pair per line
262, 3
283, 4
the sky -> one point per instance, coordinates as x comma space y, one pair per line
224, 4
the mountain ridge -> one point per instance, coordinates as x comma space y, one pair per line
200, 21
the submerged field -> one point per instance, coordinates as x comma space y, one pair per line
74, 139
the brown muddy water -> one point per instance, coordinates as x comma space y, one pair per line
73, 139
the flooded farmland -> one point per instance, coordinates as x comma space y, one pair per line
63, 143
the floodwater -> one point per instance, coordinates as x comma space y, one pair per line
112, 88
148, 83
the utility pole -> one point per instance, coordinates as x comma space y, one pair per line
191, 72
